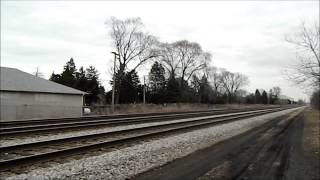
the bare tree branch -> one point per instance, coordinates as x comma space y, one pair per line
183, 58
231, 82
307, 45
132, 44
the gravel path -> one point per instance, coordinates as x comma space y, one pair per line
124, 163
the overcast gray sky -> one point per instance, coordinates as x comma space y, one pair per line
243, 36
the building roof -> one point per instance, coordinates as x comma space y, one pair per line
15, 80
285, 97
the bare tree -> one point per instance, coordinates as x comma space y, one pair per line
306, 42
133, 45
37, 73
274, 94
213, 77
276, 91
183, 58
168, 55
231, 82
191, 58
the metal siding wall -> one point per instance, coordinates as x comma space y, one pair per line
21, 105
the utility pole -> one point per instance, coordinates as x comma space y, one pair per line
144, 90
114, 80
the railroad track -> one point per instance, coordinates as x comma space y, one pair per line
29, 153
32, 122
54, 125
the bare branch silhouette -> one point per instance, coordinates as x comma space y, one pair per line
307, 45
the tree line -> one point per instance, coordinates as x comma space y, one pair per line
217, 86
181, 71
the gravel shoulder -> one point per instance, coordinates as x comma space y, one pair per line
285, 148
246, 156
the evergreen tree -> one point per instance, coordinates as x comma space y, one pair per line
173, 91
195, 85
71, 67
128, 87
68, 74
205, 90
84, 80
81, 80
257, 97
92, 85
250, 99
55, 78
92, 73
130, 90
156, 77
157, 83
264, 97
186, 93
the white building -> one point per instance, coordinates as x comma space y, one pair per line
25, 96
283, 99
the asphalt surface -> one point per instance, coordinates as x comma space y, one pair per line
271, 151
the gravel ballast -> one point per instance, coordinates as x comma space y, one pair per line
60, 135
126, 162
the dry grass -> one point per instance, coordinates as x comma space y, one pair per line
312, 131
159, 108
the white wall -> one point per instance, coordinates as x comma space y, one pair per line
24, 105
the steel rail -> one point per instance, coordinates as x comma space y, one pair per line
78, 138
4, 165
17, 123
96, 123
